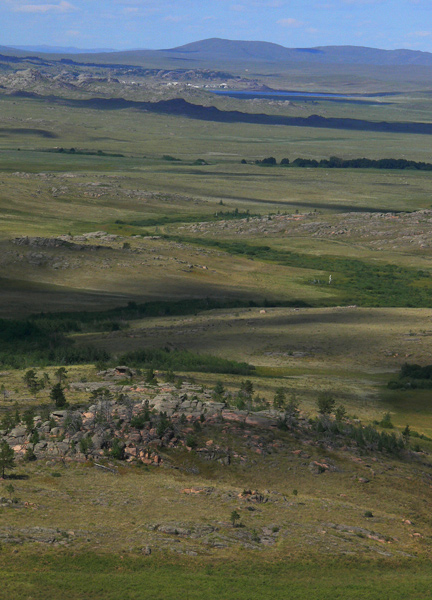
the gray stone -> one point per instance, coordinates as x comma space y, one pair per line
62, 447
59, 414
40, 446
260, 421
18, 432
98, 441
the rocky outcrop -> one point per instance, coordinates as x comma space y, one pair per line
136, 427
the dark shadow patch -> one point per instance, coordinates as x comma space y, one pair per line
182, 108
44, 133
319, 205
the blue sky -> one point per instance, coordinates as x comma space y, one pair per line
158, 24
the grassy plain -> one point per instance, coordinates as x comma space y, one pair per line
102, 520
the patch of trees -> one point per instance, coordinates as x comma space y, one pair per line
90, 321
27, 342
412, 376
332, 425
267, 162
184, 361
192, 218
76, 151
367, 438
41, 340
335, 162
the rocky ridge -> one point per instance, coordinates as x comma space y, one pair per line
136, 425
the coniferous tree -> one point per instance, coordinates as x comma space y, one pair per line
57, 396
7, 457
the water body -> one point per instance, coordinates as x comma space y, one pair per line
303, 96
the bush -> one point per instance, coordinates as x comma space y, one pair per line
386, 422
191, 441
340, 413
139, 421
86, 444
279, 398
117, 449
29, 454
163, 425
218, 390
325, 404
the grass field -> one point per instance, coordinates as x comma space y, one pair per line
92, 576
162, 238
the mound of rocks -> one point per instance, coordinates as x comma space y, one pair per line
135, 426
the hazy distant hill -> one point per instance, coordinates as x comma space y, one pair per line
216, 52
265, 51
61, 49
6, 50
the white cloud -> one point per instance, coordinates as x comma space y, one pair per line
360, 2
289, 22
420, 34
175, 18
61, 7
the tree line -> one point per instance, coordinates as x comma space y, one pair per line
335, 162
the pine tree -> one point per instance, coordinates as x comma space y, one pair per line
218, 390
57, 396
7, 457
279, 398
151, 377
234, 517
326, 404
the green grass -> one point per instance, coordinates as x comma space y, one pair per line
353, 281
95, 577
198, 312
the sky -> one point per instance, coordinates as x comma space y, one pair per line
157, 24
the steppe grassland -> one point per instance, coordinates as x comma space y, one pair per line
184, 190
144, 578
141, 133
351, 353
116, 512
105, 523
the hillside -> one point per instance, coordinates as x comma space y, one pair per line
221, 50
265, 51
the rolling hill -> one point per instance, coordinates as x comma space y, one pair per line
216, 50
265, 51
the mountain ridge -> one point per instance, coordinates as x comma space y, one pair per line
348, 54
213, 50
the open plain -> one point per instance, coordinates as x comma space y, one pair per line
238, 295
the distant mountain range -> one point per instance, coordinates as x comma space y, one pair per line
266, 51
61, 49
220, 50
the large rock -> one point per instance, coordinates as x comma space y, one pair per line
260, 421
59, 414
40, 446
237, 416
18, 432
